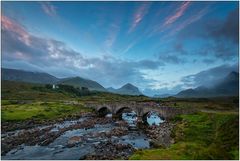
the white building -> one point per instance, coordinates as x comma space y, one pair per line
54, 86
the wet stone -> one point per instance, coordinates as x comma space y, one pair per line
98, 138
74, 140
109, 150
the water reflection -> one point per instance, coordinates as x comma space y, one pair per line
58, 149
130, 118
109, 115
154, 119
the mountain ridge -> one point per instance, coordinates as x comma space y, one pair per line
82, 82
228, 86
127, 89
45, 78
27, 76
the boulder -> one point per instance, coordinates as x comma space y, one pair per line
74, 140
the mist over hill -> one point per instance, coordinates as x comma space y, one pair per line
227, 86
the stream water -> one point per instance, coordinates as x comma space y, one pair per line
59, 149
154, 119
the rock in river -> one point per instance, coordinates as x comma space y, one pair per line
74, 140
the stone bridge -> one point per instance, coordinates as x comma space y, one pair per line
141, 109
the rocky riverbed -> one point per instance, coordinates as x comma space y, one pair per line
110, 150
160, 135
87, 137
34, 123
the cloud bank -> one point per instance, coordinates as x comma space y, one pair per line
23, 50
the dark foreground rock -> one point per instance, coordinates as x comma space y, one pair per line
160, 135
45, 136
7, 126
28, 137
109, 151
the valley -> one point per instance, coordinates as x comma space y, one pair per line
38, 122
119, 80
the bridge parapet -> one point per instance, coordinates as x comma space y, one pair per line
141, 109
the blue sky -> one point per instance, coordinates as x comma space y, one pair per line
153, 45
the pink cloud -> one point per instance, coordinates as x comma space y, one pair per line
192, 19
49, 9
10, 25
180, 11
164, 25
21, 55
139, 15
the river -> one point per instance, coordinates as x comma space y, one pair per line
84, 139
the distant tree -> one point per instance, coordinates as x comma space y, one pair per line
77, 91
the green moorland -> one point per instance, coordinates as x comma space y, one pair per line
212, 133
12, 90
24, 101
39, 110
199, 136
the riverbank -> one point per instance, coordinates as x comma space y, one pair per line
88, 131
199, 136
58, 130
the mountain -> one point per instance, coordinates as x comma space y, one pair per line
81, 82
228, 86
162, 95
111, 89
44, 78
127, 89
27, 76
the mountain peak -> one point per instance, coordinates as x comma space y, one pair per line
77, 78
82, 82
128, 85
227, 86
129, 89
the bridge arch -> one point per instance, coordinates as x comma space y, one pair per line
144, 116
103, 111
123, 109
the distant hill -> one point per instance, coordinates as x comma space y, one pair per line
27, 76
127, 89
111, 89
44, 78
228, 86
162, 95
81, 82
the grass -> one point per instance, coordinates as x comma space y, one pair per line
39, 111
215, 103
12, 90
200, 136
23, 101
211, 134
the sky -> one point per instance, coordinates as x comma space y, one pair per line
160, 47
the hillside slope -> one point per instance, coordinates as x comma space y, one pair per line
228, 86
81, 82
127, 89
27, 76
